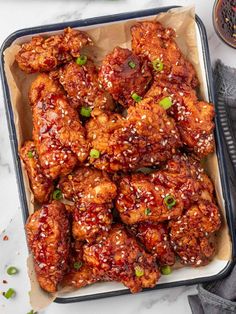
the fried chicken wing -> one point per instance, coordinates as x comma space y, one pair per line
45, 54
82, 86
139, 199
151, 40
49, 241
191, 234
58, 134
117, 256
41, 186
122, 73
194, 119
185, 174
146, 137
93, 192
155, 238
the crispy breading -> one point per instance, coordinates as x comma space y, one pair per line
191, 234
48, 237
82, 86
151, 40
87, 184
58, 134
117, 256
139, 199
193, 118
186, 175
155, 238
45, 54
93, 192
146, 137
123, 73
41, 186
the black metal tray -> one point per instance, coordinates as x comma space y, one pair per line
218, 136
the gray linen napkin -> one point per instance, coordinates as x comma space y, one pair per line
219, 297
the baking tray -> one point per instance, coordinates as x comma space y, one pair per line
190, 275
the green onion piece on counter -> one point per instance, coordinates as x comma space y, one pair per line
85, 112
170, 201
12, 270
32, 312
81, 60
166, 270
94, 153
131, 64
166, 103
78, 265
9, 294
157, 65
147, 211
136, 97
139, 272
30, 154
57, 195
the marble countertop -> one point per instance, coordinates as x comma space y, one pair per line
15, 15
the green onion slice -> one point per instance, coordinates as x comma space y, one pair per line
57, 195
157, 65
139, 272
166, 103
78, 265
147, 211
30, 154
94, 153
12, 270
166, 270
9, 294
170, 201
131, 64
32, 312
81, 60
85, 112
136, 97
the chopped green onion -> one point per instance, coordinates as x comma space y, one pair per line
136, 97
131, 64
139, 272
170, 201
12, 270
157, 65
81, 60
166, 103
32, 312
94, 153
78, 265
147, 211
57, 195
166, 270
9, 294
30, 154
85, 112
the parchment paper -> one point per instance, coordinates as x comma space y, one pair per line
106, 37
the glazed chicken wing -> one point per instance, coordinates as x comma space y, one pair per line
155, 238
82, 86
58, 134
45, 54
139, 199
193, 118
117, 256
41, 186
192, 234
146, 137
151, 40
93, 192
124, 74
49, 241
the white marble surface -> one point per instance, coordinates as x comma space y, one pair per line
17, 14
